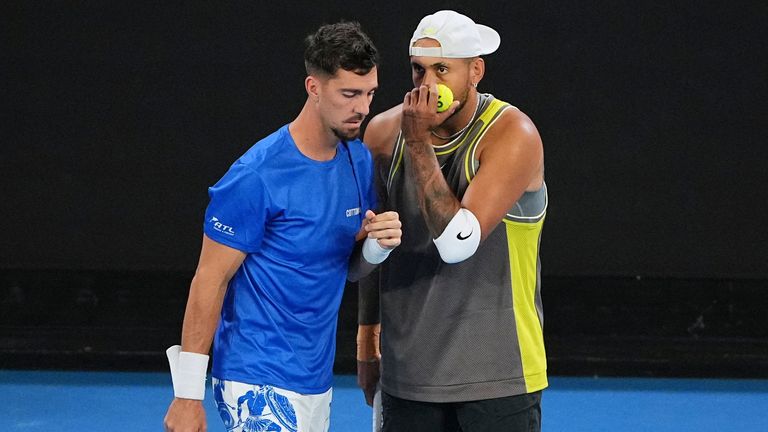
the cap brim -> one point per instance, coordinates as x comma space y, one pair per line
490, 39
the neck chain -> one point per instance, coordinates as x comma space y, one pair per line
461, 131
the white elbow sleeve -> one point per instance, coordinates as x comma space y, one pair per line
460, 238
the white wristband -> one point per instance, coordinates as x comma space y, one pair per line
373, 252
188, 373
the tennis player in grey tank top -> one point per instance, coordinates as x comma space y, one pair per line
459, 340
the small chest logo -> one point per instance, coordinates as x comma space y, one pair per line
220, 227
353, 212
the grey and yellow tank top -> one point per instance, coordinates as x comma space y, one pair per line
466, 331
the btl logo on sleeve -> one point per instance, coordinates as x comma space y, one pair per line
220, 227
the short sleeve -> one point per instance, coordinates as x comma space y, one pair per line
238, 209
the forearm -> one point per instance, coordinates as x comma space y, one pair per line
359, 267
202, 313
368, 317
437, 202
368, 299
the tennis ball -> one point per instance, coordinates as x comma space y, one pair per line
444, 97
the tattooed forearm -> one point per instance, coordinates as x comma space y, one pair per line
437, 202
438, 206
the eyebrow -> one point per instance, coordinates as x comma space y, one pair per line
357, 90
438, 64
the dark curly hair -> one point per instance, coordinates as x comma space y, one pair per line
341, 45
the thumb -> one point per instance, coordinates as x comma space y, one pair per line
369, 214
449, 112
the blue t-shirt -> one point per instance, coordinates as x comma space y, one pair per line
296, 218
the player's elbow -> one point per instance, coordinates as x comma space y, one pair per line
456, 256
460, 239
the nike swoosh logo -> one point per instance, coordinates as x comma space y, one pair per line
458, 236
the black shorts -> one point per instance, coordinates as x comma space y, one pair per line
520, 413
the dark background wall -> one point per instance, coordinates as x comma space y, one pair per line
116, 117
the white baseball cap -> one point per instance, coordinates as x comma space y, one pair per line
458, 35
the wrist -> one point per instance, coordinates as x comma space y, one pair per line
188, 373
373, 252
418, 141
368, 343
367, 354
185, 401
368, 331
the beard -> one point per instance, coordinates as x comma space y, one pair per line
346, 135
463, 99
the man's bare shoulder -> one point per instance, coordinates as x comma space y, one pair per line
513, 127
514, 141
389, 116
515, 120
382, 130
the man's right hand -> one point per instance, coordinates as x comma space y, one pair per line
420, 114
368, 360
185, 415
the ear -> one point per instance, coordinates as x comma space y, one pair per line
312, 85
477, 70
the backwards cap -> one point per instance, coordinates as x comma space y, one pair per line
458, 35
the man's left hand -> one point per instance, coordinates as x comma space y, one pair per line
384, 227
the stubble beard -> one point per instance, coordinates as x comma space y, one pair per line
463, 100
346, 136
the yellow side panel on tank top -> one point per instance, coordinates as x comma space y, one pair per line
523, 244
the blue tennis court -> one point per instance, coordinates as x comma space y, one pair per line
79, 401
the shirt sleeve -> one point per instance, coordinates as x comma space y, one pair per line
238, 210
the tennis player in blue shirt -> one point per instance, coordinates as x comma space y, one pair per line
289, 222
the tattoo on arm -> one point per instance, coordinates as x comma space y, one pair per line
437, 201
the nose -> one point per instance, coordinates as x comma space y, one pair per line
363, 106
429, 78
